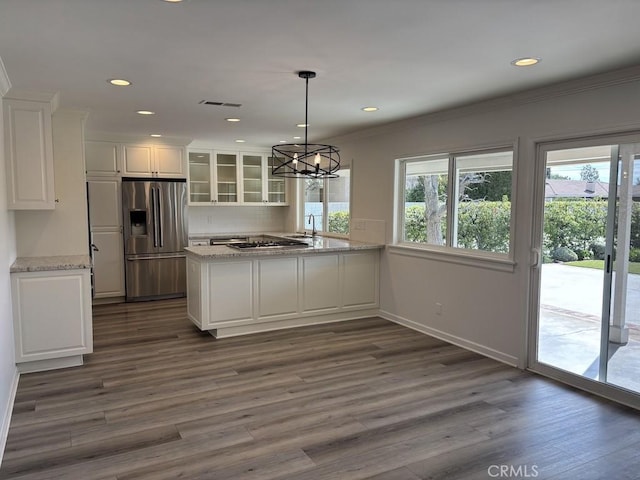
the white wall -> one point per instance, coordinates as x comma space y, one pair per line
221, 219
8, 372
482, 309
62, 231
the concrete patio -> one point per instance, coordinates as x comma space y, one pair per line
569, 331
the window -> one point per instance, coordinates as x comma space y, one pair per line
328, 201
457, 201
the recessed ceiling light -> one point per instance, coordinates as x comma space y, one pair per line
302, 125
155, 135
232, 119
240, 141
119, 82
370, 109
145, 112
283, 141
525, 62
173, 1
297, 138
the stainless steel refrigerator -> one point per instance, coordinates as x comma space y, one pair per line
155, 234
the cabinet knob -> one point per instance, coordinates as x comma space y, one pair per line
57, 200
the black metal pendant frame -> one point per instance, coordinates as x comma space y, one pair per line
305, 160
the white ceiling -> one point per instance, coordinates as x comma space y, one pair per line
408, 57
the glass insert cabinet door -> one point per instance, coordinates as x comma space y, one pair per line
276, 192
252, 178
199, 177
226, 177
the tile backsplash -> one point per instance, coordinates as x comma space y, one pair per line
234, 219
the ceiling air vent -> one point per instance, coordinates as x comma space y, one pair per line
219, 104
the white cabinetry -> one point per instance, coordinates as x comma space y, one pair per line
154, 160
52, 318
278, 286
239, 296
29, 153
102, 158
105, 217
320, 283
238, 178
231, 295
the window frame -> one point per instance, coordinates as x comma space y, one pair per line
322, 229
449, 251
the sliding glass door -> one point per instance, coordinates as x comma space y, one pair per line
587, 273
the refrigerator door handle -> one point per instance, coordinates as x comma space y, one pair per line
160, 217
154, 219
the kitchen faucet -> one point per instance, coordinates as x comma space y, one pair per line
312, 219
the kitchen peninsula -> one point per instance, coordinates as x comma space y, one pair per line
236, 291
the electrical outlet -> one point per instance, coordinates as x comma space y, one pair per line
359, 225
438, 308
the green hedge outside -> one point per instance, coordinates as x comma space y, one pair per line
574, 224
339, 222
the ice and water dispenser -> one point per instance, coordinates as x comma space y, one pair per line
138, 219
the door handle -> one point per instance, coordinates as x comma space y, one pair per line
160, 217
155, 217
535, 258
94, 247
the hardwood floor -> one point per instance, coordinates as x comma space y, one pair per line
364, 399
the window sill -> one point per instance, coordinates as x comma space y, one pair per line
470, 258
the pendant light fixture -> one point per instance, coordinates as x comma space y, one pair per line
305, 160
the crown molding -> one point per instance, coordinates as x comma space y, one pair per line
5, 83
119, 138
534, 95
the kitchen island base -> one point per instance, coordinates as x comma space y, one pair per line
241, 295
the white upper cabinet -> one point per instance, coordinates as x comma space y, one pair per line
29, 153
219, 177
154, 160
169, 160
200, 177
102, 158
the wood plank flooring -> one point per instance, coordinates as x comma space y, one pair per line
364, 399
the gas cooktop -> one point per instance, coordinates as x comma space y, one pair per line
276, 243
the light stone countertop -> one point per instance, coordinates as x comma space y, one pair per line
316, 244
43, 264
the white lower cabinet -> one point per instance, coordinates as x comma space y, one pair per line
359, 280
231, 293
52, 318
234, 297
277, 286
320, 280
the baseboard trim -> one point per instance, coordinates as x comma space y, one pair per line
460, 342
6, 419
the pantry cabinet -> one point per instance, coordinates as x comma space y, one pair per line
102, 158
105, 224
